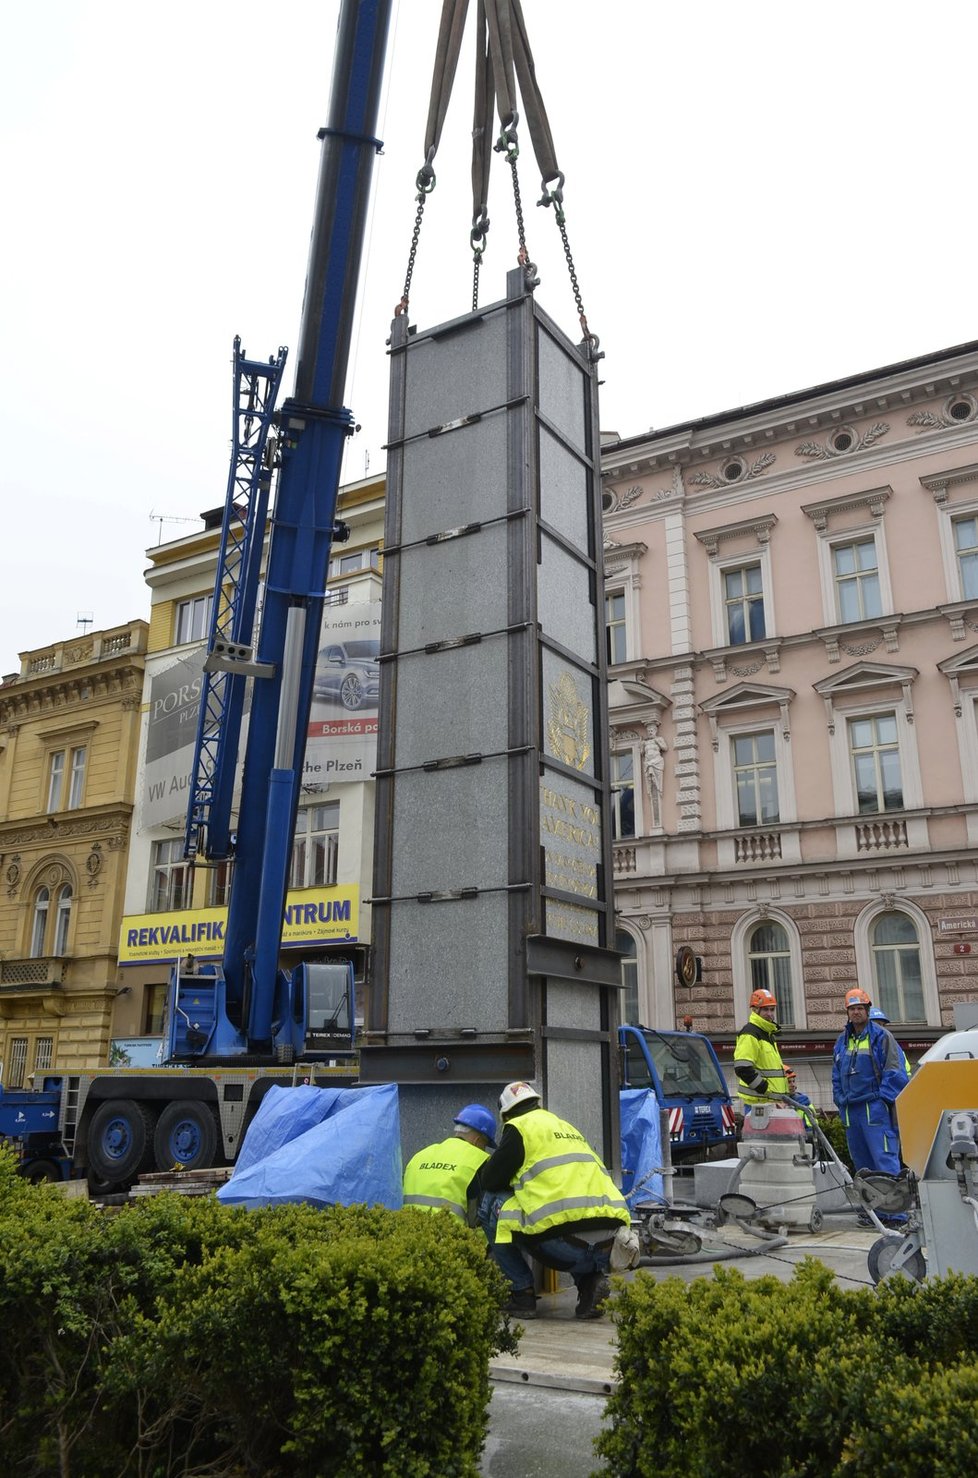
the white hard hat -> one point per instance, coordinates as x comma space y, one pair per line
515, 1093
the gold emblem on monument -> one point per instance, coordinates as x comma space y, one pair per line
569, 724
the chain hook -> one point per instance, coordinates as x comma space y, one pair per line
425, 181
554, 197
507, 142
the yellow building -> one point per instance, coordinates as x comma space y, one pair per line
69, 731
175, 907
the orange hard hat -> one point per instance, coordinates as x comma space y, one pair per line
857, 997
761, 999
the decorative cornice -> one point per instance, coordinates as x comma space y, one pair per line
760, 527
871, 633
709, 480
864, 677
938, 483
114, 828
58, 690
820, 513
824, 451
759, 653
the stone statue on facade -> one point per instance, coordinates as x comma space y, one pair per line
654, 757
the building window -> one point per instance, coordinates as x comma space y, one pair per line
356, 560
314, 852
769, 954
77, 781
625, 945
62, 920
39, 928
898, 983
56, 779
15, 1069
755, 778
855, 569
743, 604
170, 883
623, 795
193, 619
43, 1055
966, 552
615, 626
154, 1006
875, 750
219, 884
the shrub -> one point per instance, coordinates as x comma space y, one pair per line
728, 1376
180, 1335
921, 1426
834, 1130
804, 1379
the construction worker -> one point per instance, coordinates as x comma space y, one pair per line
876, 1013
555, 1200
440, 1177
867, 1074
761, 1075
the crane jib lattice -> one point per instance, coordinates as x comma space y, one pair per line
228, 663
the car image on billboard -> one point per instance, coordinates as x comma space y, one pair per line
348, 673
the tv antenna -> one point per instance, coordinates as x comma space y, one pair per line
162, 518
84, 619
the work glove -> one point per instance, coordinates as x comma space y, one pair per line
801, 1098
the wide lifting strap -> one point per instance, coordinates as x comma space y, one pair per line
504, 61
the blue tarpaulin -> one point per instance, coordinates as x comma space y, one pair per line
324, 1146
641, 1147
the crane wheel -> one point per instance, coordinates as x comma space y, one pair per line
120, 1141
186, 1137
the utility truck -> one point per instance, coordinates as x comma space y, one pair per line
684, 1073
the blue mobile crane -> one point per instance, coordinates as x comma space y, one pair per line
247, 1010
234, 1028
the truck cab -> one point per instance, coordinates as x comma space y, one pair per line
684, 1073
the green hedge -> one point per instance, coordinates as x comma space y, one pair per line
726, 1376
180, 1336
835, 1132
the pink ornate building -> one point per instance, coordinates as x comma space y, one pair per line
792, 607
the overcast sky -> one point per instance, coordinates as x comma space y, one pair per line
760, 196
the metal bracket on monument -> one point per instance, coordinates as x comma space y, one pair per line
447, 1061
565, 960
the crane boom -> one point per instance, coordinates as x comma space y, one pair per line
254, 1011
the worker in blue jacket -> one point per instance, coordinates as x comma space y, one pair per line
868, 1073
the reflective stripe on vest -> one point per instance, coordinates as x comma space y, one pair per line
756, 1047
435, 1203
555, 1185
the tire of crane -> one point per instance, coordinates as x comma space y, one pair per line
42, 1172
186, 1137
120, 1141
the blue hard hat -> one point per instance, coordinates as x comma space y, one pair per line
878, 1014
474, 1116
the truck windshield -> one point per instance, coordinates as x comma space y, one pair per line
682, 1062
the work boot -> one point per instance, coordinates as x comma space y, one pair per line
522, 1303
593, 1292
863, 1219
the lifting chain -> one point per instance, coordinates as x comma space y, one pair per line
425, 183
477, 238
508, 145
555, 197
